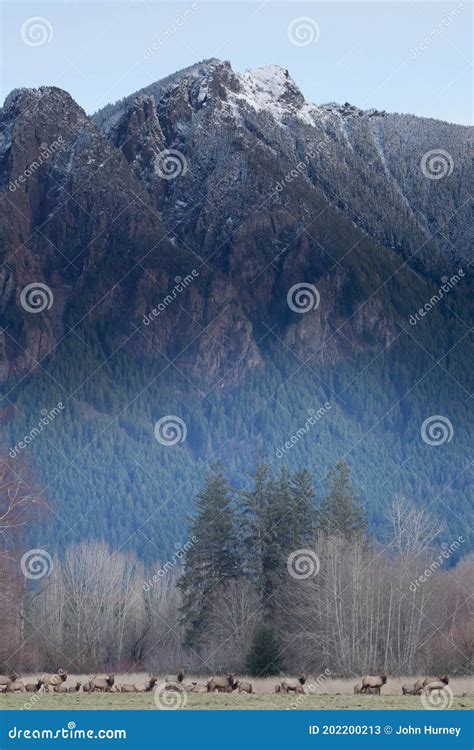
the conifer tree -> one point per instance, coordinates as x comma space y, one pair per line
340, 512
264, 658
213, 559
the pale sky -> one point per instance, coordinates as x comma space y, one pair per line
402, 57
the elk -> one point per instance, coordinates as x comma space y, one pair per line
5, 680
372, 683
17, 686
179, 677
294, 687
245, 687
150, 683
422, 682
128, 689
101, 684
435, 685
50, 680
61, 688
408, 690
278, 688
75, 688
222, 684
33, 687
357, 688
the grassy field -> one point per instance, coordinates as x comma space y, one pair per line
332, 694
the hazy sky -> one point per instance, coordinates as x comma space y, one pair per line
402, 57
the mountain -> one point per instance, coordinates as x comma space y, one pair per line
179, 235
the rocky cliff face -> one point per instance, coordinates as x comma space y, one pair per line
237, 179
78, 227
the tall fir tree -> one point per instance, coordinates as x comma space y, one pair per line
341, 512
213, 559
304, 516
264, 657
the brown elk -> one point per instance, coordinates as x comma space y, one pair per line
435, 685
75, 688
357, 688
33, 687
150, 683
374, 684
278, 688
179, 677
17, 686
50, 680
61, 689
294, 687
222, 684
422, 682
101, 684
128, 689
6, 680
245, 687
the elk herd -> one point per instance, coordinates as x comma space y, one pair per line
368, 685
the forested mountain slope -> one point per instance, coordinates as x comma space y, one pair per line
171, 231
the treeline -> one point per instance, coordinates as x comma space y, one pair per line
269, 579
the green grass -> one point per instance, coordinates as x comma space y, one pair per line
196, 701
